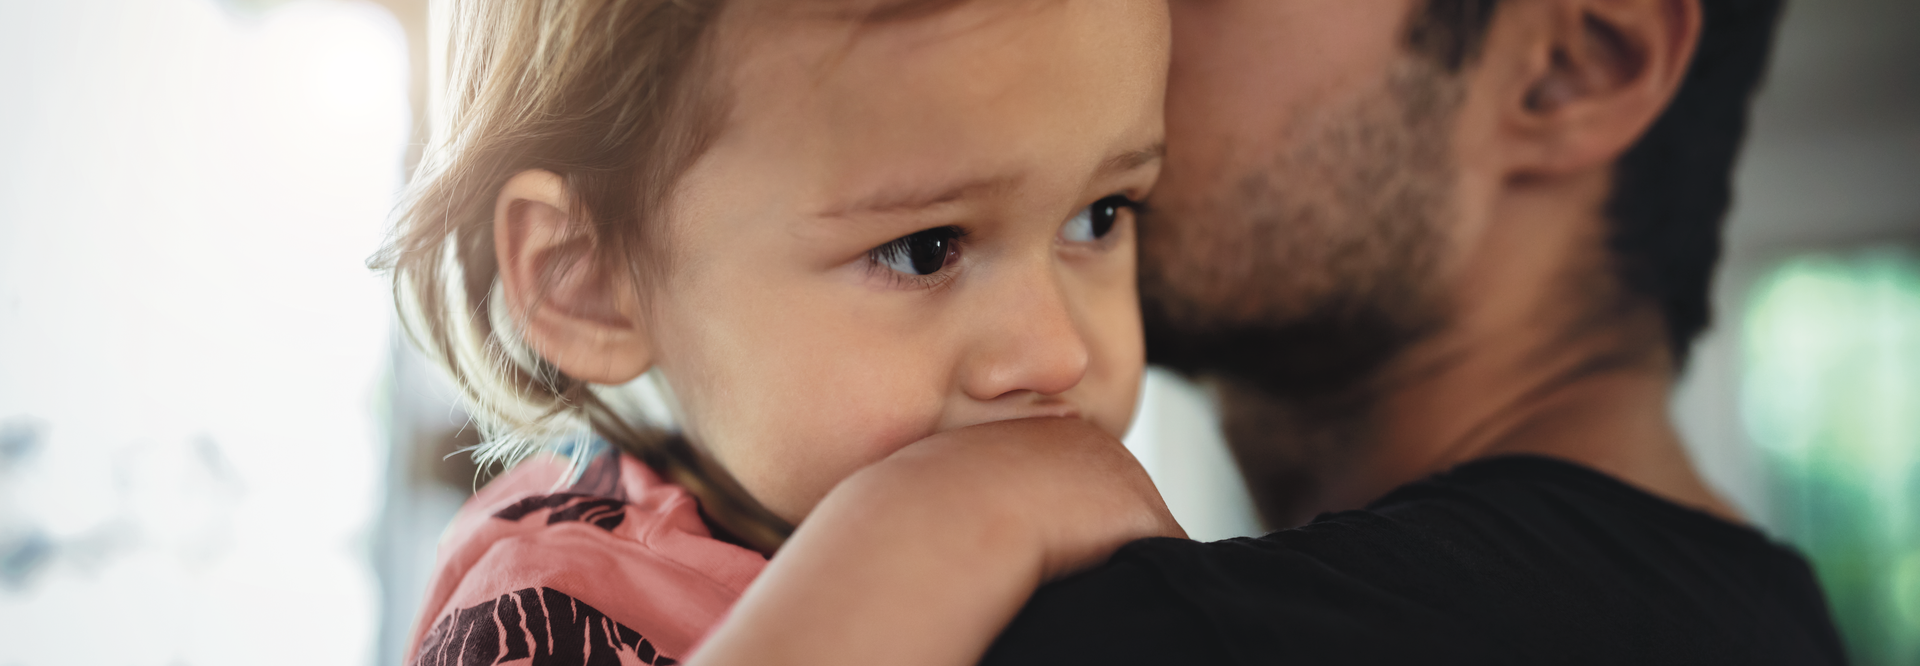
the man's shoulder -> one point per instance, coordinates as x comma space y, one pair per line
1515, 559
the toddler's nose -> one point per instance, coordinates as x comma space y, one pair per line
1029, 341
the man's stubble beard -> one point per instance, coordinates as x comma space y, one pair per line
1291, 291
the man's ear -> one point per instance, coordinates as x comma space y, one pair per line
1596, 75
581, 317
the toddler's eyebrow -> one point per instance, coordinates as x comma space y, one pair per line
918, 197
915, 197
1132, 159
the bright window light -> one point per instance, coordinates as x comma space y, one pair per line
1830, 393
192, 349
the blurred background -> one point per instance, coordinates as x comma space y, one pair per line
212, 432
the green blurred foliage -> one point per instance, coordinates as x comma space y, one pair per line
1831, 393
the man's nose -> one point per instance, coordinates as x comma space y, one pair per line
1030, 340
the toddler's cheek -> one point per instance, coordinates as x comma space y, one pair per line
825, 438
1110, 392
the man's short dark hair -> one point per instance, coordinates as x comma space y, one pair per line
1672, 188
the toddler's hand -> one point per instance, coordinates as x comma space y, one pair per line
1070, 488
923, 557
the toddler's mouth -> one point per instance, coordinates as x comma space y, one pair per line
1062, 411
1040, 410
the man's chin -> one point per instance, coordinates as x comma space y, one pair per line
1298, 399
1307, 359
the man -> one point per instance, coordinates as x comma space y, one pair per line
1402, 237
1442, 260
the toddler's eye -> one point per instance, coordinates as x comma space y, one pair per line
1096, 220
923, 253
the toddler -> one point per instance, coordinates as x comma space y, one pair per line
815, 231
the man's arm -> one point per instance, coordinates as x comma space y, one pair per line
924, 557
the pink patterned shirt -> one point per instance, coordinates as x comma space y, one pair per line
617, 568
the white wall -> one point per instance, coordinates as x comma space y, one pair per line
191, 346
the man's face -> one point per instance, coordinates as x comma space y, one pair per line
1300, 224
1303, 226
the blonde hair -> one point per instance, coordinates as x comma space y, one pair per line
614, 97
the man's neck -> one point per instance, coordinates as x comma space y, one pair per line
1546, 355
1612, 418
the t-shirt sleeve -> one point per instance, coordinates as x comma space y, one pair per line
1519, 560
1123, 612
1242, 601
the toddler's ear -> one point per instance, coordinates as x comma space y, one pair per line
578, 316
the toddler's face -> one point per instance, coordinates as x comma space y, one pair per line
909, 227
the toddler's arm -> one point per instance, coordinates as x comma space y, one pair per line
924, 557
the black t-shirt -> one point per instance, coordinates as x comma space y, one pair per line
1512, 560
